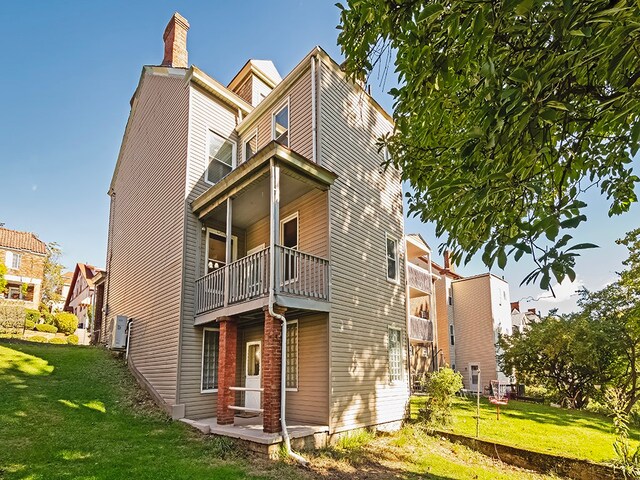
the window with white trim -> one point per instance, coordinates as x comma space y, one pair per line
452, 338
222, 153
292, 354
210, 351
281, 125
250, 147
392, 259
13, 260
395, 354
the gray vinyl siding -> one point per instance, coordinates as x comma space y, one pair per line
364, 203
147, 217
206, 113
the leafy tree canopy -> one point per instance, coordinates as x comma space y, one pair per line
53, 280
506, 113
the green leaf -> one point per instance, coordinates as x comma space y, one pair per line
519, 75
582, 246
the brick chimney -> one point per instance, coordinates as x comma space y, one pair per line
175, 42
515, 306
448, 265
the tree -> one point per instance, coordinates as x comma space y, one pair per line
560, 353
53, 280
3, 281
505, 114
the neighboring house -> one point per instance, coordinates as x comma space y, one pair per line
81, 297
472, 312
423, 351
64, 292
232, 206
520, 320
23, 254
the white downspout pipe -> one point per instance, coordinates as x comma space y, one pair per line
313, 109
275, 198
129, 325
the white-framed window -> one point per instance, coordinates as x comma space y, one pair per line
392, 259
280, 124
14, 293
395, 354
210, 353
474, 375
289, 234
450, 295
221, 154
216, 250
13, 260
452, 337
292, 355
250, 146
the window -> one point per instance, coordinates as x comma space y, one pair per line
452, 338
392, 259
292, 354
250, 147
474, 373
221, 157
450, 296
210, 340
289, 239
395, 355
281, 125
14, 293
13, 260
217, 250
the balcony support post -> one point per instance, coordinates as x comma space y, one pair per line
228, 253
274, 215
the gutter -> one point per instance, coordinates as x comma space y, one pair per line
275, 189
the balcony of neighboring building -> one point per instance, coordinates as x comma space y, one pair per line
271, 213
419, 275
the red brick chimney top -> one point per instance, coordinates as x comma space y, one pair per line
515, 306
175, 42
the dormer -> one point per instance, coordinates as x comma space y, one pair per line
255, 81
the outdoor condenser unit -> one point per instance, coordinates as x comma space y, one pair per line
120, 332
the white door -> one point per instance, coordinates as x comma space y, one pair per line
474, 373
253, 370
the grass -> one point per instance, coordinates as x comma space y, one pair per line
73, 412
541, 428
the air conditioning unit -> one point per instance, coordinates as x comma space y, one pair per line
119, 335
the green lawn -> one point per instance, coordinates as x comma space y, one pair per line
75, 413
537, 427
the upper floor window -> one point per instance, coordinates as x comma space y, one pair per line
392, 259
250, 147
281, 125
13, 260
222, 153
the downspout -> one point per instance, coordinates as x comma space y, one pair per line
272, 299
129, 325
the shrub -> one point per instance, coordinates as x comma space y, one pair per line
43, 327
66, 322
37, 338
72, 339
58, 341
31, 315
48, 318
11, 318
29, 325
441, 388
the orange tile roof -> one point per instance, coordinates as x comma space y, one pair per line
22, 241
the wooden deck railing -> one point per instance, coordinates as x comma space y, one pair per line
297, 273
419, 278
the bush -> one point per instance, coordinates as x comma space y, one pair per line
72, 339
37, 338
29, 325
43, 327
441, 388
66, 322
48, 318
11, 318
31, 315
58, 341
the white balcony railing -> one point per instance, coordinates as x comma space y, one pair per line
419, 278
420, 329
297, 273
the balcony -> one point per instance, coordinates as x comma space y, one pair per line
299, 275
420, 329
419, 279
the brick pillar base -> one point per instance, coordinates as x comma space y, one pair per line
271, 371
226, 369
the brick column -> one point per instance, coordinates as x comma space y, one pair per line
271, 371
226, 369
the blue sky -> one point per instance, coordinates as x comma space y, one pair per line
65, 89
